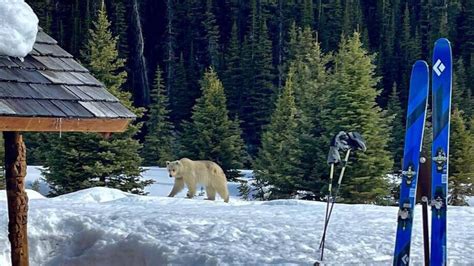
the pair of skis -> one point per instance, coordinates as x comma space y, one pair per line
416, 116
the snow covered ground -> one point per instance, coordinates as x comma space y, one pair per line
102, 226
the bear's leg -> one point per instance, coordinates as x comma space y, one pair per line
178, 186
211, 193
223, 192
191, 189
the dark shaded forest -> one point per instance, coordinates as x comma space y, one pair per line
275, 77
193, 35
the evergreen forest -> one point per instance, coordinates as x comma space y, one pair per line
258, 84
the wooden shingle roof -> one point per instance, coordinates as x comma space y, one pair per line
50, 83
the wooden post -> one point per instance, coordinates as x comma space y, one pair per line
15, 172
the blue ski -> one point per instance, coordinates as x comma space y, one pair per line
441, 90
415, 124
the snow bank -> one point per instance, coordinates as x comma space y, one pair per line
95, 194
470, 201
31, 195
18, 28
90, 228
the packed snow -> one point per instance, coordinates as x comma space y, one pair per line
102, 226
18, 28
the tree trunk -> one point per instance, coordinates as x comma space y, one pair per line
15, 172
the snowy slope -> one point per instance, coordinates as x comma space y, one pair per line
100, 226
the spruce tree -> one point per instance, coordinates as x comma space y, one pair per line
352, 107
212, 36
332, 29
278, 160
119, 26
397, 129
307, 14
77, 161
461, 161
232, 75
310, 82
159, 141
260, 92
406, 55
212, 135
181, 96
462, 97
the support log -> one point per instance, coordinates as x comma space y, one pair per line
15, 172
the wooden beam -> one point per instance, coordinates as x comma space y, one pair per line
48, 124
15, 172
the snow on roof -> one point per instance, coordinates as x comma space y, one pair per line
18, 28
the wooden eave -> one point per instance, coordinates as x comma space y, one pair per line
49, 124
49, 91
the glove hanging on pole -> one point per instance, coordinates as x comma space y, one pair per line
338, 143
347, 142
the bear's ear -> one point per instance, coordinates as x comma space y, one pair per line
168, 163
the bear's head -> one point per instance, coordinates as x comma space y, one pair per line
173, 168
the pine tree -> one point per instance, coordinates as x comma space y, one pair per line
462, 98
278, 160
258, 98
352, 107
397, 134
232, 76
159, 141
406, 55
461, 161
181, 96
307, 14
36, 185
332, 29
212, 36
212, 135
119, 26
308, 66
77, 161
44, 10
465, 36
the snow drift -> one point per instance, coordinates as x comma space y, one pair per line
102, 226
18, 28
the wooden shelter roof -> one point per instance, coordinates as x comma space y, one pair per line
49, 83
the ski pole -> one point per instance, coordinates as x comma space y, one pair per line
341, 175
331, 174
328, 215
426, 243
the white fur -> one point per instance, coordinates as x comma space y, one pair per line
191, 173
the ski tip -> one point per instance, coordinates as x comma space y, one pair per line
420, 63
442, 41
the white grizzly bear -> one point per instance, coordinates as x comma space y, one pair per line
191, 173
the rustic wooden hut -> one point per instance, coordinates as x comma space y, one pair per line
47, 92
